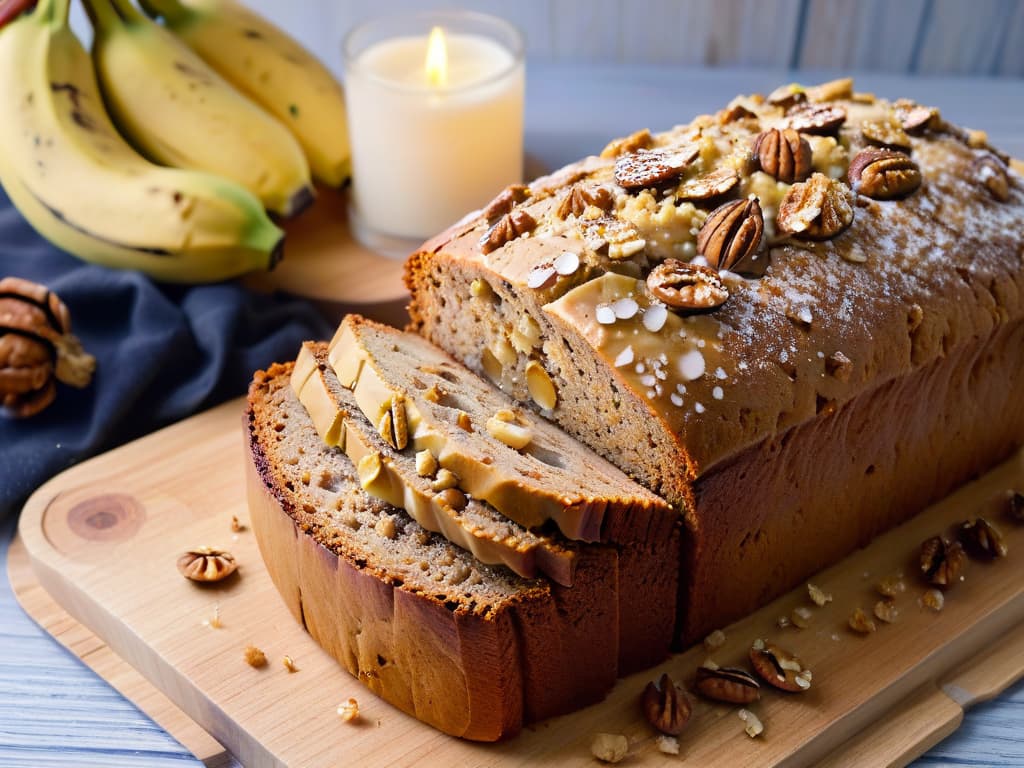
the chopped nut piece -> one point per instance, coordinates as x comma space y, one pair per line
820, 119
641, 139
369, 468
715, 640
393, 426
1015, 506
783, 154
861, 623
609, 747
885, 610
667, 745
942, 562
207, 564
887, 133
915, 118
731, 233
832, 90
453, 498
621, 238
236, 527
687, 286
778, 667
818, 596
464, 422
504, 426
508, 227
666, 706
385, 527
933, 599
445, 479
801, 617
991, 173
541, 388
782, 622
753, 726
480, 289
735, 113
816, 209
582, 196
289, 664
709, 185
883, 174
892, 585
787, 96
426, 464
649, 168
348, 710
729, 684
254, 657
214, 621
839, 366
566, 263
505, 201
982, 539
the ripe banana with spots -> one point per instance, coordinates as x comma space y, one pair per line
272, 69
74, 178
176, 110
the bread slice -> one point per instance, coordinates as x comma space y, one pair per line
521, 464
392, 476
474, 650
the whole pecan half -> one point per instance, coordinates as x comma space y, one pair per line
505, 201
729, 684
582, 196
508, 227
666, 706
883, 174
991, 173
942, 562
731, 233
821, 119
687, 286
787, 96
914, 118
649, 168
784, 154
816, 209
710, 185
982, 539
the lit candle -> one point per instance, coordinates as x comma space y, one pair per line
435, 105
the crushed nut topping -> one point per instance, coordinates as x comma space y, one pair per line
254, 657
666, 706
800, 617
819, 119
452, 498
687, 287
651, 167
915, 118
892, 585
933, 600
787, 96
731, 233
991, 173
887, 133
753, 725
505, 201
348, 710
621, 238
778, 667
583, 196
839, 366
861, 623
508, 227
783, 154
818, 596
883, 174
667, 745
729, 684
641, 139
816, 209
982, 539
942, 562
609, 747
207, 564
709, 185
885, 610
842, 88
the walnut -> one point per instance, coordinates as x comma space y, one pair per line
508, 227
666, 706
729, 684
783, 154
861, 623
579, 197
778, 667
982, 539
37, 348
819, 119
709, 185
942, 562
641, 139
505, 201
688, 287
883, 174
816, 209
885, 610
731, 233
254, 657
207, 564
649, 168
990, 172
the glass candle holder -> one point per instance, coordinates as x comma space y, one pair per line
435, 112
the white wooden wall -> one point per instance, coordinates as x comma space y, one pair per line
969, 37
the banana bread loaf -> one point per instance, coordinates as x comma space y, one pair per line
800, 320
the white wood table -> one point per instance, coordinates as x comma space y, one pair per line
55, 711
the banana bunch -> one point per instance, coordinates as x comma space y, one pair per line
69, 172
270, 68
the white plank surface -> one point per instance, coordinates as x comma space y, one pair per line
868, 34
55, 712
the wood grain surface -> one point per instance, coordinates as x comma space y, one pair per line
102, 539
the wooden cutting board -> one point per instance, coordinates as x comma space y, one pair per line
102, 539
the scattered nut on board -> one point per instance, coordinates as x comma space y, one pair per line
609, 747
753, 725
861, 623
254, 657
289, 664
818, 596
715, 640
933, 599
207, 564
668, 745
348, 710
214, 621
236, 527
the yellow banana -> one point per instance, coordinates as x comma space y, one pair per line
178, 111
74, 178
272, 69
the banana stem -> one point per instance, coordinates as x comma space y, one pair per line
171, 11
103, 15
127, 11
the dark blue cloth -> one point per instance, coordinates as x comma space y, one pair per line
163, 353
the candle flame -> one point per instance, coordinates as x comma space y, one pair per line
437, 58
